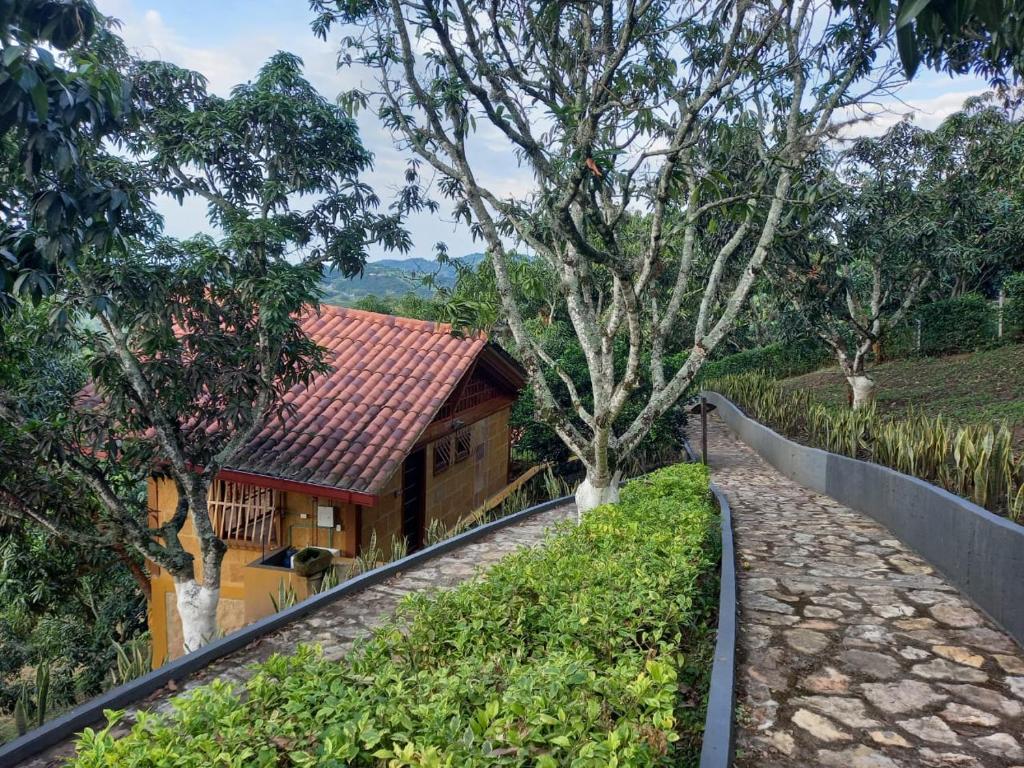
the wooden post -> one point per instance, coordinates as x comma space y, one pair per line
704, 431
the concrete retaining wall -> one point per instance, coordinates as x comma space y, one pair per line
980, 553
718, 745
719, 723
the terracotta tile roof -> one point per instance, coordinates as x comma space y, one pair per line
351, 428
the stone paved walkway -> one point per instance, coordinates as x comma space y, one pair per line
855, 653
336, 627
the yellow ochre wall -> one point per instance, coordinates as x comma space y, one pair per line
464, 486
452, 494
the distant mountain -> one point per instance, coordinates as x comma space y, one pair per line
391, 277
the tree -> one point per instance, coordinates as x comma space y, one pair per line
63, 605
858, 263
624, 113
971, 185
984, 37
191, 345
55, 112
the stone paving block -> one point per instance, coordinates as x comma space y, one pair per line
854, 652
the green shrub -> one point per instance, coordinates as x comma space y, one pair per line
963, 324
780, 360
1013, 307
578, 653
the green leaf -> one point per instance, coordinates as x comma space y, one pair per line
882, 13
40, 100
908, 11
991, 12
906, 42
10, 54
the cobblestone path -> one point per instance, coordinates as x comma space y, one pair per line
337, 626
853, 651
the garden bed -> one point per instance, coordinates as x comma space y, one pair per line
591, 650
976, 461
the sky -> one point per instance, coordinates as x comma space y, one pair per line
228, 40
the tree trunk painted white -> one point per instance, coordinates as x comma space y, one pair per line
591, 494
863, 390
197, 607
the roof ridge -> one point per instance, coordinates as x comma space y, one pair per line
380, 318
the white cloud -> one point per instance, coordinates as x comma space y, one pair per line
234, 57
927, 112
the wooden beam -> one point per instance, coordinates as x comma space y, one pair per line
493, 501
296, 486
438, 429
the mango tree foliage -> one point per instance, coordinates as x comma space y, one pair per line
615, 110
909, 216
982, 37
855, 267
972, 178
277, 164
61, 96
191, 345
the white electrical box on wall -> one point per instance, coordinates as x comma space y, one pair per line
324, 517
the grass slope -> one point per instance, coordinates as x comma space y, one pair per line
971, 388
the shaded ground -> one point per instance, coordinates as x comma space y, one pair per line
337, 626
854, 653
977, 387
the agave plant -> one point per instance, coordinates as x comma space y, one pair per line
976, 461
30, 707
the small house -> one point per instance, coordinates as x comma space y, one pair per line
409, 427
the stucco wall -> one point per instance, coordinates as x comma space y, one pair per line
450, 495
237, 589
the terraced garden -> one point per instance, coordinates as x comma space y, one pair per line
967, 389
591, 650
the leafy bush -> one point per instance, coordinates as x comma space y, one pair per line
779, 360
977, 461
963, 324
585, 651
1013, 308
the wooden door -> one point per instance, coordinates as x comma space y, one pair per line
414, 498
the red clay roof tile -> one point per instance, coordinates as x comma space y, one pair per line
352, 428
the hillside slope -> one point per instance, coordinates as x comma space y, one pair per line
390, 278
981, 386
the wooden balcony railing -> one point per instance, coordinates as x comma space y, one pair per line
245, 515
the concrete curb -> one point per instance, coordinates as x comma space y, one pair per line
978, 552
91, 712
719, 723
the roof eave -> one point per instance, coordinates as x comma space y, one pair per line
343, 495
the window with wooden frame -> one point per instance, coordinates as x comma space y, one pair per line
243, 514
463, 444
442, 455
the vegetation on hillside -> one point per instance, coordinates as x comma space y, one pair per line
592, 650
189, 345
392, 280
971, 388
976, 461
911, 217
656, 192
683, 201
